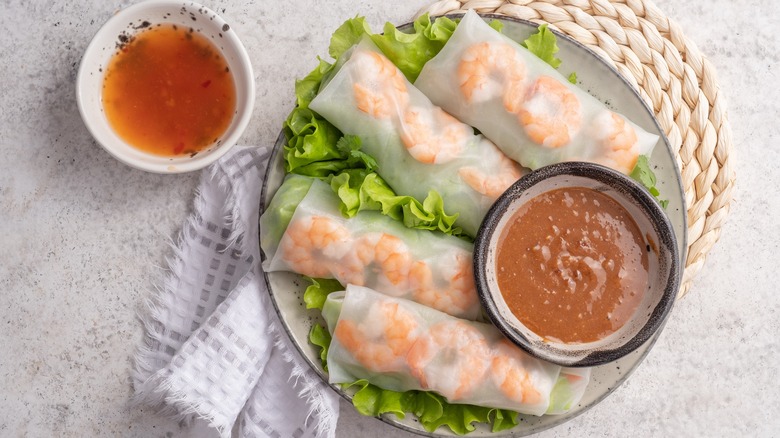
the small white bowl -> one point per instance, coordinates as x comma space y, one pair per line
137, 18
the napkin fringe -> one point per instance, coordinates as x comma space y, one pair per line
310, 388
177, 405
154, 306
150, 372
151, 312
150, 378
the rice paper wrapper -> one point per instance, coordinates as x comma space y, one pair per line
417, 146
373, 250
521, 103
401, 345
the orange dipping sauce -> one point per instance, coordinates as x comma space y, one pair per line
169, 92
572, 265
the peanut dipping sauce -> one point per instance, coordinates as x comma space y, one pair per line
572, 266
169, 92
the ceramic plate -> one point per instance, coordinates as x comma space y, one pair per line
600, 80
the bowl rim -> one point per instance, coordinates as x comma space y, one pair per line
165, 165
642, 198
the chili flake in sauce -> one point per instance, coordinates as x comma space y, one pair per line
169, 91
572, 266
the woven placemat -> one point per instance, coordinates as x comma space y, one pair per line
671, 75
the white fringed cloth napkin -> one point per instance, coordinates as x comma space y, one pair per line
214, 349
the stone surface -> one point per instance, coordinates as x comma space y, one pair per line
83, 236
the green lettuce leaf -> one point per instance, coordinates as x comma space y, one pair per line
504, 420
573, 78
410, 51
645, 175
311, 144
318, 291
371, 400
306, 89
433, 412
544, 45
316, 148
431, 409
360, 189
349, 146
347, 35
498, 26
320, 337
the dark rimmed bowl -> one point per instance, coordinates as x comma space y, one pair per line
664, 265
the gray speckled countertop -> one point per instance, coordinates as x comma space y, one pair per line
82, 235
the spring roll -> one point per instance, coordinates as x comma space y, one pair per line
369, 249
417, 146
528, 109
400, 345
